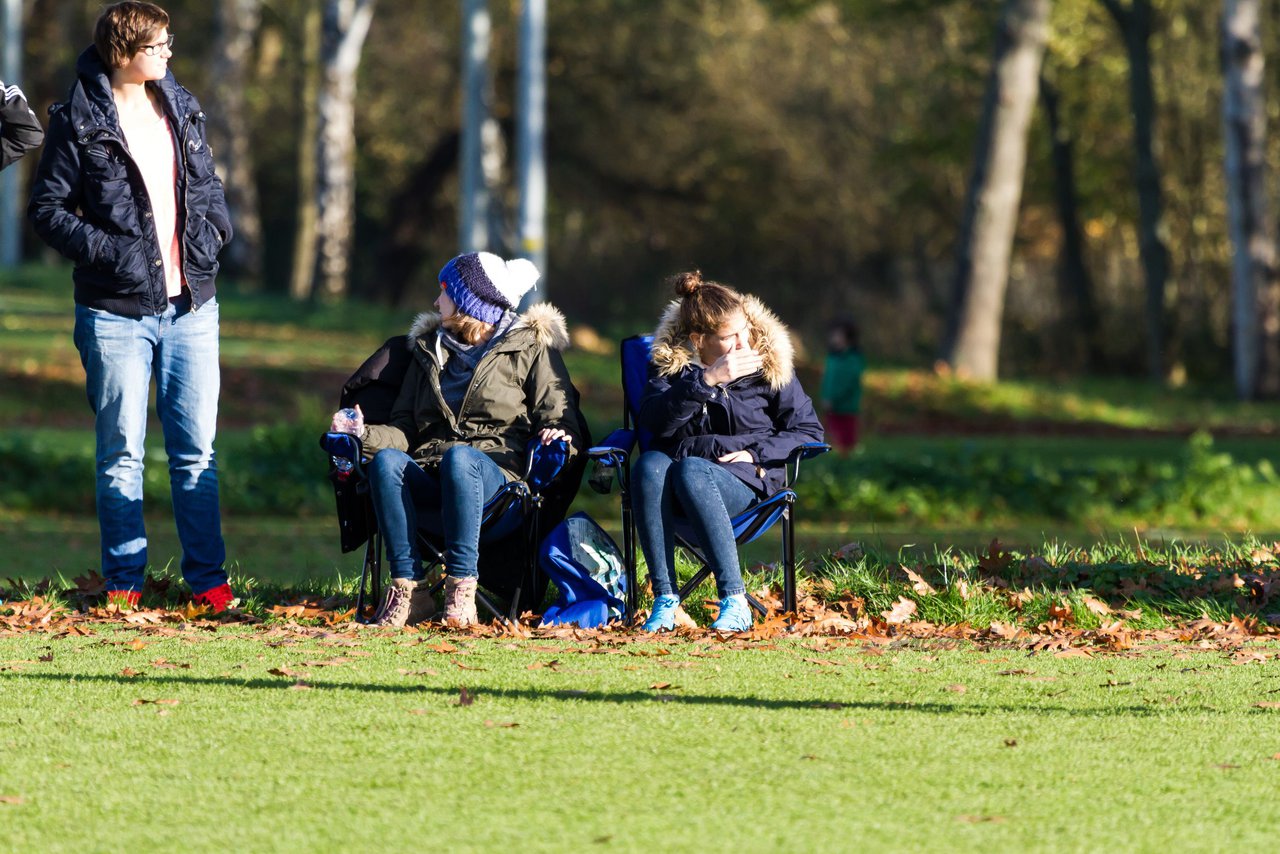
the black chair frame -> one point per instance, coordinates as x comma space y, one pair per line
615, 454
516, 493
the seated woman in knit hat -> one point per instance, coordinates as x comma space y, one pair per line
726, 410
483, 382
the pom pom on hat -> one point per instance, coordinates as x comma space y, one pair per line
484, 286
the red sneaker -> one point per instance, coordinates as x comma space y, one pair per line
124, 598
217, 599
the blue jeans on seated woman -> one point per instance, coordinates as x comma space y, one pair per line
407, 498
706, 494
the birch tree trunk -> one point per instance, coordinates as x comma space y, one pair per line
236, 23
1253, 268
995, 190
346, 23
1135, 23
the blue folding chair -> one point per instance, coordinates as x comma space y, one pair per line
515, 507
613, 457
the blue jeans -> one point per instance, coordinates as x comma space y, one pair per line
708, 496
120, 355
407, 498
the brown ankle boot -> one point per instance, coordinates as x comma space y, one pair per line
460, 601
406, 603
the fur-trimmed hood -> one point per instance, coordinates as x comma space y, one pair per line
673, 352
544, 320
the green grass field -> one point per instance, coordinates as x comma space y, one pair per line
126, 740
1040, 700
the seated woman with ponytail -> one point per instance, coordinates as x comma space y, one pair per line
483, 383
726, 410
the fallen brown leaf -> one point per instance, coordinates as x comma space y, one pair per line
956, 689
1097, 606
507, 725
12, 800
442, 647
465, 697
901, 611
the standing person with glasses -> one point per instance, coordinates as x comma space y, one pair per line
126, 189
19, 130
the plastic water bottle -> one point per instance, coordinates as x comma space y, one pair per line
347, 421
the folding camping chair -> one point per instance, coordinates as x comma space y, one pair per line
515, 507
614, 455
538, 500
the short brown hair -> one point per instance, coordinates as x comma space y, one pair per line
468, 329
704, 306
123, 29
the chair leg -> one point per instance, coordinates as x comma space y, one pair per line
364, 580
629, 553
483, 600
376, 570
692, 584
788, 561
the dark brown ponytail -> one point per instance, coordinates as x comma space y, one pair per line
704, 305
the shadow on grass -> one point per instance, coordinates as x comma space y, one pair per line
604, 696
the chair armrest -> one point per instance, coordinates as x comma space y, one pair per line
344, 446
807, 451
545, 463
615, 449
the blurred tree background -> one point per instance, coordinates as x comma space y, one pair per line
815, 153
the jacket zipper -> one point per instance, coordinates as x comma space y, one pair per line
186, 207
120, 140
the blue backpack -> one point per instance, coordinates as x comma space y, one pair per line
588, 570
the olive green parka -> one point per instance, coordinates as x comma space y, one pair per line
520, 386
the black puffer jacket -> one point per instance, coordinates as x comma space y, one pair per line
89, 201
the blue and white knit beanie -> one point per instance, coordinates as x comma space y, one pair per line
484, 286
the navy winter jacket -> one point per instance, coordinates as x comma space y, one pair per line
89, 202
767, 413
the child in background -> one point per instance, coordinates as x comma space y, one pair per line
842, 385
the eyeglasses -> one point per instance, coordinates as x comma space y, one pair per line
153, 49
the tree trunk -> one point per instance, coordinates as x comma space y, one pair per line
1135, 23
531, 123
1076, 284
303, 272
235, 26
346, 23
995, 190
480, 157
1253, 268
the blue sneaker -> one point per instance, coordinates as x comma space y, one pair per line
664, 613
735, 615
